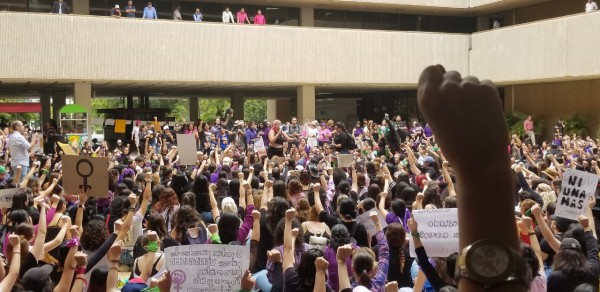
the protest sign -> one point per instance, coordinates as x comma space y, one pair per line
6, 197
575, 194
120, 126
344, 160
66, 148
87, 173
365, 219
207, 267
186, 148
259, 145
438, 229
312, 142
37, 141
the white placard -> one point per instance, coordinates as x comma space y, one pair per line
575, 194
128, 122
259, 145
37, 141
186, 147
438, 229
109, 122
207, 267
312, 142
6, 197
365, 219
344, 160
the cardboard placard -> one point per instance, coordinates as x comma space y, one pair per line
365, 219
207, 267
109, 122
344, 160
6, 197
120, 126
66, 148
37, 141
575, 194
312, 142
439, 231
84, 172
259, 145
186, 148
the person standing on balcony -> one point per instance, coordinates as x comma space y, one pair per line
228, 16
591, 6
197, 15
529, 129
130, 9
150, 12
60, 7
242, 17
177, 13
116, 12
259, 18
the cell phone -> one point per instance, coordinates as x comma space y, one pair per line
530, 215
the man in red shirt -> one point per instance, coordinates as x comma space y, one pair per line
529, 129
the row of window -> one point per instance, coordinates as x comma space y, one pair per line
212, 12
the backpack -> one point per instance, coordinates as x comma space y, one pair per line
200, 238
318, 241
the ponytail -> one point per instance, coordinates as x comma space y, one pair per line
364, 279
402, 259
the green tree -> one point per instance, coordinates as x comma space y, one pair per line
255, 110
211, 108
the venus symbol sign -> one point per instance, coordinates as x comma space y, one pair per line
178, 278
84, 169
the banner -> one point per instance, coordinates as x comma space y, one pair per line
6, 197
207, 267
575, 194
88, 173
365, 219
186, 148
438, 229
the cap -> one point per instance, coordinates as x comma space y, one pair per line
116, 5
429, 159
227, 161
119, 141
570, 243
2, 169
299, 167
348, 208
35, 279
165, 127
225, 201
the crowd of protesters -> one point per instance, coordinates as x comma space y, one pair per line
296, 209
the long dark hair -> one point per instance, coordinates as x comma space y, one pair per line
396, 237
275, 212
571, 262
200, 188
306, 268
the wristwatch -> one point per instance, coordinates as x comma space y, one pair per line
490, 263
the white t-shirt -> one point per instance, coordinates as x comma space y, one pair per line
591, 6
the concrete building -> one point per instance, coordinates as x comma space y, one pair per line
339, 59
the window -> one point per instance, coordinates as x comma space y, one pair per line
43, 5
16, 5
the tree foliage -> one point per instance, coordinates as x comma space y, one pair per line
211, 108
255, 110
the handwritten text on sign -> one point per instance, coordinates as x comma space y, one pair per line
577, 189
6, 197
365, 219
438, 230
207, 267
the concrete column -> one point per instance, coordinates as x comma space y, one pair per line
82, 95
306, 102
46, 110
284, 112
81, 7
271, 109
237, 104
307, 16
58, 101
193, 106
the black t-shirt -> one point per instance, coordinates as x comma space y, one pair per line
360, 233
342, 139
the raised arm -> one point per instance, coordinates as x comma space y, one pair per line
264, 200
342, 255
381, 205
13, 272
526, 224
554, 243
28, 176
426, 267
321, 274
318, 204
113, 271
38, 246
81, 264
288, 240
213, 202
354, 177
448, 179
69, 266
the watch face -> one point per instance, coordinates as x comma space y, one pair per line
488, 261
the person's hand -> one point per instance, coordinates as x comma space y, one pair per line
118, 226
81, 259
536, 210
387, 177
420, 197
56, 198
262, 174
148, 177
383, 195
295, 233
269, 184
316, 189
213, 228
584, 221
439, 91
213, 187
412, 225
274, 255
14, 241
518, 168
391, 286
247, 283
240, 175
526, 224
445, 164
271, 164
251, 169
255, 215
343, 252
132, 200
374, 215
592, 202
247, 185
65, 220
74, 231
290, 214
321, 264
